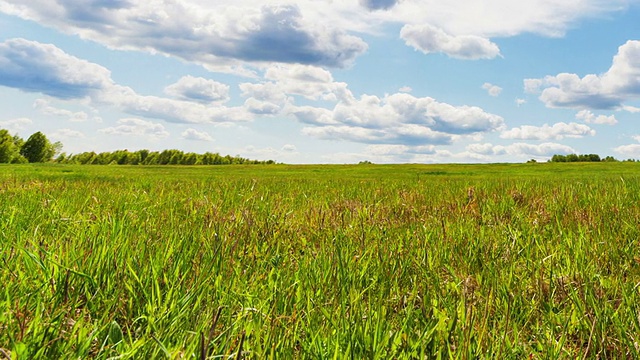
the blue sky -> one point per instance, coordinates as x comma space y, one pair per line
321, 81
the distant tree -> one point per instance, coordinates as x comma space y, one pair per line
176, 158
580, 158
151, 158
189, 159
164, 157
37, 148
142, 155
609, 159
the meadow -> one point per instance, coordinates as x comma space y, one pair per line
513, 261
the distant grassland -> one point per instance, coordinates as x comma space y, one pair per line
366, 261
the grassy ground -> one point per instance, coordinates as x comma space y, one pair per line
452, 261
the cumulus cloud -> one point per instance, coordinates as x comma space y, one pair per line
137, 127
520, 102
193, 134
629, 151
556, 131
491, 89
219, 36
311, 82
399, 119
198, 89
34, 67
606, 91
226, 35
63, 76
590, 118
284, 82
429, 39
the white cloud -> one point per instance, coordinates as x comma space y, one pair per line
137, 127
226, 35
289, 148
557, 131
400, 150
285, 82
520, 102
44, 107
399, 119
474, 153
484, 149
533, 86
521, 149
430, 39
310, 82
193, 134
492, 90
218, 35
629, 151
67, 134
63, 76
607, 91
405, 89
199, 89
590, 118
35, 67
15, 124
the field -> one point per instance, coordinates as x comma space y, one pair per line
520, 261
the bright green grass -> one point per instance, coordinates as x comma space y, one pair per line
449, 261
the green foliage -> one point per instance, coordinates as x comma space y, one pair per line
38, 148
317, 262
580, 158
146, 157
9, 150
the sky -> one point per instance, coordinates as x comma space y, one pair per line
326, 81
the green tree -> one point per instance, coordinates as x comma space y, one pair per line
38, 148
8, 148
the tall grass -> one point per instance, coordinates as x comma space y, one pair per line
486, 261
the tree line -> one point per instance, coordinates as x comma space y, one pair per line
584, 158
37, 149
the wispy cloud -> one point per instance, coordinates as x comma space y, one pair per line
137, 127
556, 131
16, 124
45, 107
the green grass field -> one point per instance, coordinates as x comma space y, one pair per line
520, 261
